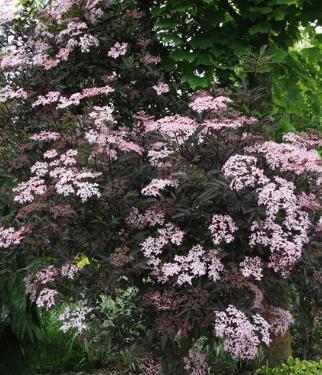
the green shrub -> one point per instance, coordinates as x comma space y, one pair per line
294, 367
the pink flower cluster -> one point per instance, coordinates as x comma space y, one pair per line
161, 88
241, 170
173, 127
195, 363
69, 270
252, 267
285, 238
14, 57
47, 275
288, 157
50, 97
46, 298
59, 9
34, 283
158, 155
151, 60
242, 336
11, 237
157, 184
279, 320
219, 124
208, 103
8, 93
45, 136
153, 247
27, 191
66, 178
119, 49
135, 14
75, 99
308, 141
105, 140
222, 228
149, 218
150, 366
196, 263
75, 319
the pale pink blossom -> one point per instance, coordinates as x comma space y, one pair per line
196, 263
289, 157
8, 93
119, 49
157, 184
161, 88
75, 319
45, 136
222, 228
51, 154
252, 267
27, 191
149, 218
46, 298
242, 336
49, 98
87, 41
241, 170
151, 60
172, 126
69, 270
47, 275
209, 103
150, 366
229, 123
279, 320
11, 237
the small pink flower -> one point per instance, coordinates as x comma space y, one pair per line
161, 88
222, 229
46, 298
119, 49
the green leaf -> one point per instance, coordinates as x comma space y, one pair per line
241, 51
285, 2
260, 9
195, 82
170, 38
180, 8
202, 42
279, 14
180, 55
166, 24
204, 59
277, 55
261, 28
